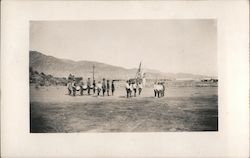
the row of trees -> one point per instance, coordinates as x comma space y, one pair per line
42, 79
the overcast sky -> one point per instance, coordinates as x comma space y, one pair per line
188, 46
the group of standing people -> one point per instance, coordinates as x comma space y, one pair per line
103, 86
107, 87
132, 86
159, 89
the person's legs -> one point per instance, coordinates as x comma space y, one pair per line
69, 91
103, 92
155, 92
81, 91
128, 93
134, 92
88, 90
108, 92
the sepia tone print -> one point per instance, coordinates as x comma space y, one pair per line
123, 76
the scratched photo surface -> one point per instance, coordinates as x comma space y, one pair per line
123, 76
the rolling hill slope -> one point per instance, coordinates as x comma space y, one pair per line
63, 67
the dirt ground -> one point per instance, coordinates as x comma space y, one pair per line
52, 110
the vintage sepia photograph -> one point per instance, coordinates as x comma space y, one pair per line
125, 78
96, 76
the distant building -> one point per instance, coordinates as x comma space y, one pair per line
209, 80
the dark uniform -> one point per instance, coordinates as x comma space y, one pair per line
74, 88
108, 87
140, 88
112, 87
103, 87
88, 86
134, 86
94, 85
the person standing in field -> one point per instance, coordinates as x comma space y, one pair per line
112, 87
159, 89
134, 86
108, 87
163, 89
103, 86
74, 87
69, 85
88, 85
128, 88
94, 85
81, 88
99, 88
155, 88
140, 88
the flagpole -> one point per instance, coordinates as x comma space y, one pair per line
93, 72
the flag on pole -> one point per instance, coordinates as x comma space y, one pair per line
138, 74
139, 70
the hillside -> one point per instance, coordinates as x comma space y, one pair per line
63, 67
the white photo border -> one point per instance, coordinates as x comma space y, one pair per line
232, 139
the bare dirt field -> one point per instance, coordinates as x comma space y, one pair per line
52, 110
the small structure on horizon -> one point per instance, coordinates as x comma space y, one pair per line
209, 80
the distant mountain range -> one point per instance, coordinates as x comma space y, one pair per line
63, 67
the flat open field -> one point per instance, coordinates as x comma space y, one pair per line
182, 109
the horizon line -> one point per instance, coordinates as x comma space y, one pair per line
122, 66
